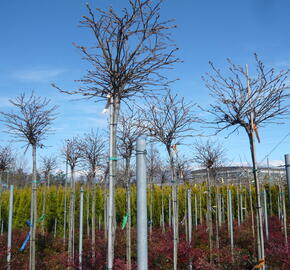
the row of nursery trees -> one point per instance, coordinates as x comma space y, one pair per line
132, 49
228, 204
243, 199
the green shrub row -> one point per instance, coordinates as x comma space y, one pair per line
55, 198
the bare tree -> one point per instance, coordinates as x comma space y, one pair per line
128, 131
183, 168
47, 166
211, 156
163, 173
92, 148
65, 197
131, 47
6, 160
182, 174
248, 102
31, 124
72, 153
169, 120
153, 166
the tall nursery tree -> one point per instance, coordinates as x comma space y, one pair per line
183, 168
128, 131
71, 151
48, 164
31, 123
248, 102
6, 160
153, 165
210, 156
170, 120
164, 174
131, 47
92, 147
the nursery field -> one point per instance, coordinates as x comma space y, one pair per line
229, 247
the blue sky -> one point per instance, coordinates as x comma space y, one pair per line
36, 50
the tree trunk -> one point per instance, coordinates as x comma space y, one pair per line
55, 226
260, 236
230, 219
200, 207
189, 211
1, 175
128, 248
195, 210
209, 215
9, 234
114, 113
222, 207
251, 209
228, 211
279, 202
105, 212
81, 227
217, 219
284, 219
270, 193
175, 208
162, 209
151, 207
246, 214
33, 213
219, 208
241, 205
88, 207
266, 214
238, 206
169, 211
44, 206
64, 211
128, 207
48, 180
93, 184
185, 218
71, 219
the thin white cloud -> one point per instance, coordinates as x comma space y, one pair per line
38, 74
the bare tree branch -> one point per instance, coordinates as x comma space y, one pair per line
48, 165
71, 151
92, 148
32, 121
209, 155
153, 162
130, 50
129, 129
169, 119
6, 158
269, 93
